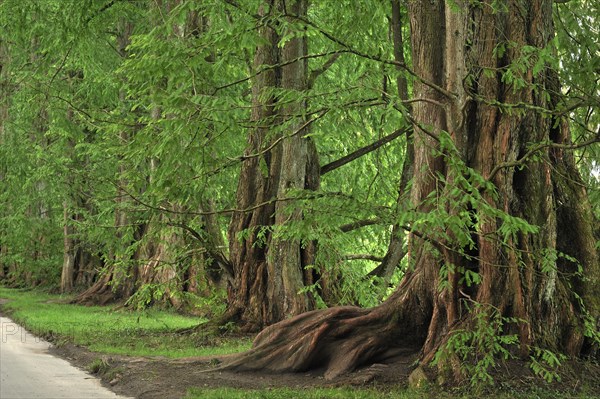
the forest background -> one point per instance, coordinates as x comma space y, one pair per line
253, 160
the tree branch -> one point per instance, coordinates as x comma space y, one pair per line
319, 113
363, 151
101, 10
227, 211
317, 72
374, 258
351, 49
358, 224
279, 65
224, 263
372, 57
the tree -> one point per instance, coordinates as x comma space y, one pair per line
500, 224
127, 146
28, 223
396, 249
151, 261
269, 270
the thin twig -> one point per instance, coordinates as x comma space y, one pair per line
265, 68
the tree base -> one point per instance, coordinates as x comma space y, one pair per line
100, 293
336, 340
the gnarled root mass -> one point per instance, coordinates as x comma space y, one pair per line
100, 293
335, 340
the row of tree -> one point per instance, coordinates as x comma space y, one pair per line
127, 126
300, 155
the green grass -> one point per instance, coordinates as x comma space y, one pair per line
104, 329
362, 393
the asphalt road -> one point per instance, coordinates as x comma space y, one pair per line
28, 371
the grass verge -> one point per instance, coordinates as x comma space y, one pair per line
311, 393
107, 330
363, 393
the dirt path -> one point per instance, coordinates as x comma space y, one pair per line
147, 378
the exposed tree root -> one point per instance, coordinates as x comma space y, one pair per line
100, 293
335, 340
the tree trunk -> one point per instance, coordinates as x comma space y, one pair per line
396, 248
71, 264
156, 272
5, 93
68, 268
285, 264
522, 273
257, 184
110, 287
210, 268
267, 281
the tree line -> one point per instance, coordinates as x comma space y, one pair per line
433, 163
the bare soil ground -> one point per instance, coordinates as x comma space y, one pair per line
148, 378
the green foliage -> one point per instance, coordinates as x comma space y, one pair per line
545, 363
478, 347
98, 366
591, 329
578, 47
132, 120
143, 109
147, 295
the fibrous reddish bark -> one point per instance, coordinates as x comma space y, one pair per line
268, 270
491, 121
